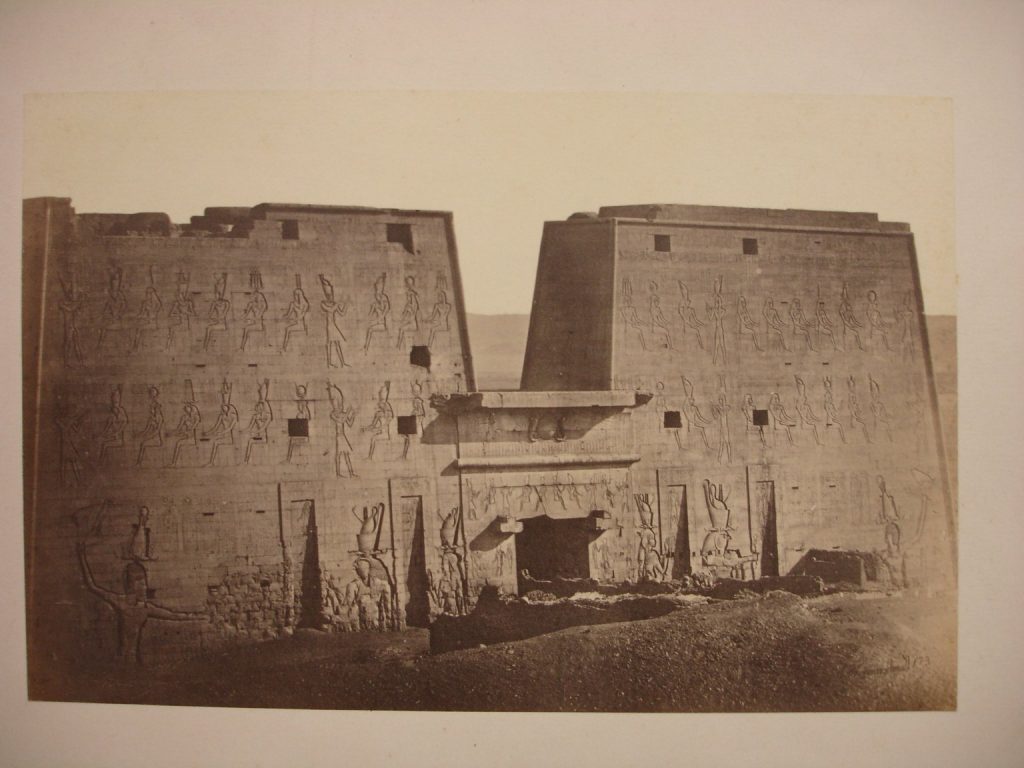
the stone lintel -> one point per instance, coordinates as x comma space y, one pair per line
555, 460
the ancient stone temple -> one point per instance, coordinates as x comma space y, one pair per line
267, 418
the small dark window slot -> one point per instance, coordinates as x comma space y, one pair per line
749, 246
261, 511
788, 363
290, 229
298, 427
253, 365
401, 234
663, 243
673, 420
760, 418
264, 582
150, 593
200, 365
407, 425
420, 355
207, 514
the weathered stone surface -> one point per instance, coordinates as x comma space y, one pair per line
266, 420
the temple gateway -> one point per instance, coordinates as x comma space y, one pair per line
267, 418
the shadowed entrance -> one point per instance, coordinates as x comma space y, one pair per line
548, 548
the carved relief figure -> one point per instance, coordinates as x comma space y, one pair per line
695, 420
801, 328
439, 316
255, 309
139, 543
409, 322
893, 557
220, 310
333, 312
831, 411
152, 435
379, 311
448, 593
878, 410
369, 524
115, 305
803, 409
657, 318
716, 316
342, 418
148, 317
856, 414
689, 314
748, 415
905, 315
781, 418
746, 322
717, 551
112, 435
660, 407
302, 419
149, 313
383, 415
295, 316
69, 425
133, 606
181, 312
875, 321
773, 324
720, 413
629, 312
187, 430
824, 325
262, 416
70, 306
223, 431
367, 599
649, 561
419, 411
850, 322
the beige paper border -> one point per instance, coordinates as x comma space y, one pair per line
970, 52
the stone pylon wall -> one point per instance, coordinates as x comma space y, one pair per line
221, 410
782, 359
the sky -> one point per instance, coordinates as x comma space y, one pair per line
503, 162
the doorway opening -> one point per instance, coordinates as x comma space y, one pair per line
764, 500
681, 565
311, 597
547, 548
417, 610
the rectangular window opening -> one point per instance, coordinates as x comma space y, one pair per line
663, 243
298, 427
290, 229
402, 235
760, 417
673, 420
420, 355
407, 425
750, 246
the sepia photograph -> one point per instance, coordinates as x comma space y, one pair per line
278, 456
478, 384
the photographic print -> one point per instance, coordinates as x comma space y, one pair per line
490, 401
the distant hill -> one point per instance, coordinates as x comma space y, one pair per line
498, 343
